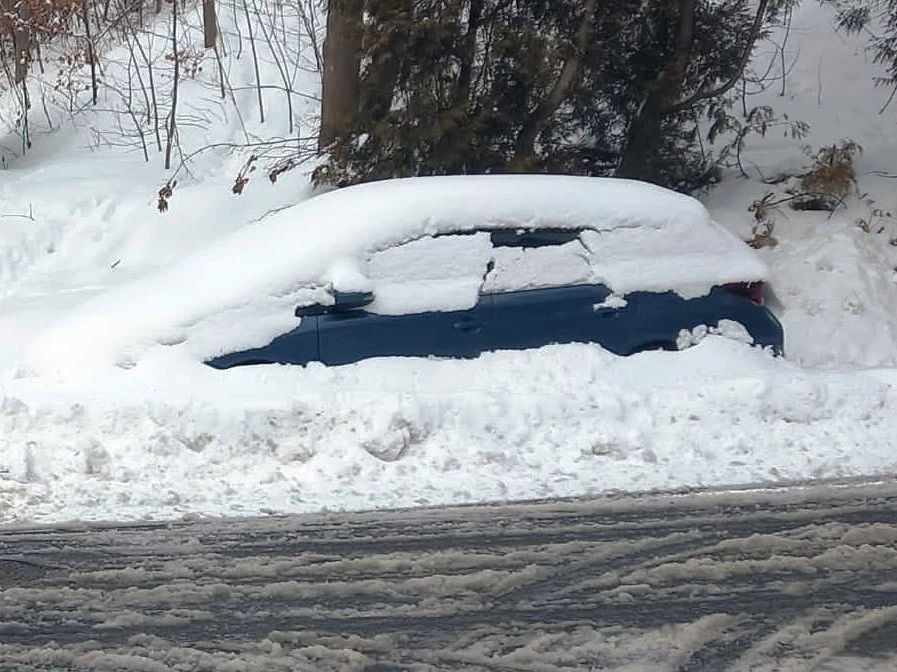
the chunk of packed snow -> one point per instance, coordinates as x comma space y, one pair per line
612, 301
532, 268
641, 237
443, 273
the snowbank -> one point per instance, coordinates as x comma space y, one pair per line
160, 441
834, 275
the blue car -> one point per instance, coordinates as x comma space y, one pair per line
459, 294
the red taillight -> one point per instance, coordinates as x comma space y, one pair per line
749, 290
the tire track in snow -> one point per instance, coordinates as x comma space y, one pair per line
802, 579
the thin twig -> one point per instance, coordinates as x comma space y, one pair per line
15, 215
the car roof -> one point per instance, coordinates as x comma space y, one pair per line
399, 208
650, 238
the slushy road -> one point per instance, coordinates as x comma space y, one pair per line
799, 579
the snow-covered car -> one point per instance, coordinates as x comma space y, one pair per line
446, 266
578, 266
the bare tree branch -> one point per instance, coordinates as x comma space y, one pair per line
704, 93
526, 140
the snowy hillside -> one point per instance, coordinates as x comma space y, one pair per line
79, 209
168, 437
837, 282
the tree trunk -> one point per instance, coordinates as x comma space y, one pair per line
525, 148
255, 62
342, 63
172, 120
662, 94
469, 53
91, 54
376, 90
665, 96
209, 23
21, 40
645, 132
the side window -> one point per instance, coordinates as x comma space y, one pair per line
439, 273
545, 265
448, 272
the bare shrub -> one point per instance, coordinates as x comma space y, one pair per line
831, 178
764, 222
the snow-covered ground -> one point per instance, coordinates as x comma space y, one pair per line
170, 437
837, 282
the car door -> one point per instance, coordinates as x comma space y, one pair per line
426, 303
575, 314
543, 290
356, 335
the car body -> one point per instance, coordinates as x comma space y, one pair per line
505, 289
512, 321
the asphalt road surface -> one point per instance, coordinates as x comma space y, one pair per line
801, 579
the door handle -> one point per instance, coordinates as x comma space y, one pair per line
468, 326
602, 310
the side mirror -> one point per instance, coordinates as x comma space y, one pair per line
343, 302
311, 310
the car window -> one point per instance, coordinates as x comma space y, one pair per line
541, 237
429, 273
517, 268
449, 271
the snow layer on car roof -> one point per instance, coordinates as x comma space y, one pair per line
240, 291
